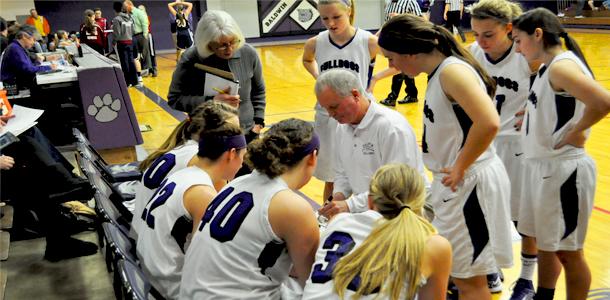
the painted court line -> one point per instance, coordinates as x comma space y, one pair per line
601, 210
180, 116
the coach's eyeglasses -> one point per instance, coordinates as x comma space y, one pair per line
224, 46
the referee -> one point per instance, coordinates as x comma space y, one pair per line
453, 15
393, 8
398, 7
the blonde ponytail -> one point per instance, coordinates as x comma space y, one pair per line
390, 258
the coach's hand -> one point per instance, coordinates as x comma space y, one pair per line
334, 207
225, 97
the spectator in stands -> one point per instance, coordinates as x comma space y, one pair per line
73, 37
64, 39
53, 42
91, 33
3, 35
122, 27
17, 67
580, 5
219, 43
39, 22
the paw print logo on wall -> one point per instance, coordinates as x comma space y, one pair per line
104, 109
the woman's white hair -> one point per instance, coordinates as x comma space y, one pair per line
340, 81
213, 25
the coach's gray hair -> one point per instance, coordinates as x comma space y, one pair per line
340, 81
213, 25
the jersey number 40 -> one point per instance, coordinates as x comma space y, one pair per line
225, 223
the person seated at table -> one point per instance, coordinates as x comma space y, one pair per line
53, 42
35, 177
64, 39
17, 67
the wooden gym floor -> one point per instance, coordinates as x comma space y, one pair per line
290, 94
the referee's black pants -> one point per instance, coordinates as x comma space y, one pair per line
410, 87
453, 19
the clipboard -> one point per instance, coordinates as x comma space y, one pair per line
216, 71
217, 80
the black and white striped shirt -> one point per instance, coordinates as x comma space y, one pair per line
454, 4
401, 7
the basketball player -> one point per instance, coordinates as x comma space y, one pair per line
341, 46
390, 246
559, 177
175, 209
495, 51
257, 228
178, 152
470, 192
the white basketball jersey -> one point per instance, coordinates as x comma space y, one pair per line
166, 225
512, 75
167, 164
446, 124
344, 233
235, 254
549, 114
354, 56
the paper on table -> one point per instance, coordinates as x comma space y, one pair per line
24, 119
215, 83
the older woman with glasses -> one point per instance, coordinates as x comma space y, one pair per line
219, 43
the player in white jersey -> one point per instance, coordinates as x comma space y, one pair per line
258, 228
341, 46
559, 177
407, 256
177, 152
176, 207
495, 51
470, 191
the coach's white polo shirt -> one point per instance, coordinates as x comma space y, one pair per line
383, 136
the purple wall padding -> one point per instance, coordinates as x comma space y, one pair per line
68, 15
109, 125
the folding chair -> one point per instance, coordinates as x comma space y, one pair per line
135, 284
118, 247
113, 173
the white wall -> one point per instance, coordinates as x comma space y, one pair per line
9, 9
369, 14
245, 12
